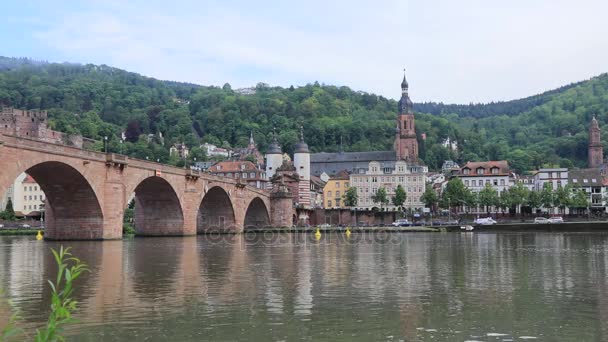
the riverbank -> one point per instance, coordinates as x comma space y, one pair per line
352, 229
572, 227
13, 232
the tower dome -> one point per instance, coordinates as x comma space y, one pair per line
301, 146
274, 147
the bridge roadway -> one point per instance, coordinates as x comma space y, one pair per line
87, 193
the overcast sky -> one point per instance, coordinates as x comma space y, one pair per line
453, 51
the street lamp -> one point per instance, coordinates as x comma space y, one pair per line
41, 207
105, 143
121, 141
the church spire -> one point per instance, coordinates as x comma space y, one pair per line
405, 104
404, 85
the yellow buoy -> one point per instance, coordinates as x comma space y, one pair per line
318, 234
39, 236
347, 232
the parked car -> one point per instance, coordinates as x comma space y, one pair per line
325, 225
25, 226
541, 220
485, 221
556, 219
1, 226
402, 223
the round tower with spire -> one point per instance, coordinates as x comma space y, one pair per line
406, 144
301, 161
301, 157
595, 155
274, 156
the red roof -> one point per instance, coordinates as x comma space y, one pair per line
29, 179
233, 166
487, 166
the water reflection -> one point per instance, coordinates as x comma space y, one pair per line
292, 287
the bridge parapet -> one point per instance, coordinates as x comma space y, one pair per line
119, 160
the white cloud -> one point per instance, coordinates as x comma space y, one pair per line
453, 51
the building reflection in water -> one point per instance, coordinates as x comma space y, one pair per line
457, 282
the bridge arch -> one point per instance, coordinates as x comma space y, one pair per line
216, 213
257, 215
72, 208
158, 211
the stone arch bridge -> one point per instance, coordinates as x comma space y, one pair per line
87, 193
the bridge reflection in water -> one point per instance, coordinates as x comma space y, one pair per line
288, 287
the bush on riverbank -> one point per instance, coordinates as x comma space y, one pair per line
63, 305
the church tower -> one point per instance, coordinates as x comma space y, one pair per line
596, 151
406, 145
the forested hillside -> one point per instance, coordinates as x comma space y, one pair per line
97, 101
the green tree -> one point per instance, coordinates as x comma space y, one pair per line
488, 197
563, 197
456, 194
534, 200
517, 196
351, 197
400, 196
580, 198
8, 213
429, 198
380, 197
547, 197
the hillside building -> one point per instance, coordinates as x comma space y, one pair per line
33, 124
242, 170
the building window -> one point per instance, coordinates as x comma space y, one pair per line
35, 188
337, 184
466, 182
495, 182
329, 194
329, 203
574, 180
487, 182
494, 170
338, 194
466, 171
30, 197
25, 198
252, 175
594, 180
480, 171
244, 174
502, 182
346, 185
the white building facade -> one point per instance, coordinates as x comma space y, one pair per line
476, 175
558, 177
376, 176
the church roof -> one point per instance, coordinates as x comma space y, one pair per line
325, 157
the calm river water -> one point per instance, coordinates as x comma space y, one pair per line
371, 287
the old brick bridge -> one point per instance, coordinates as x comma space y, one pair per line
87, 193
